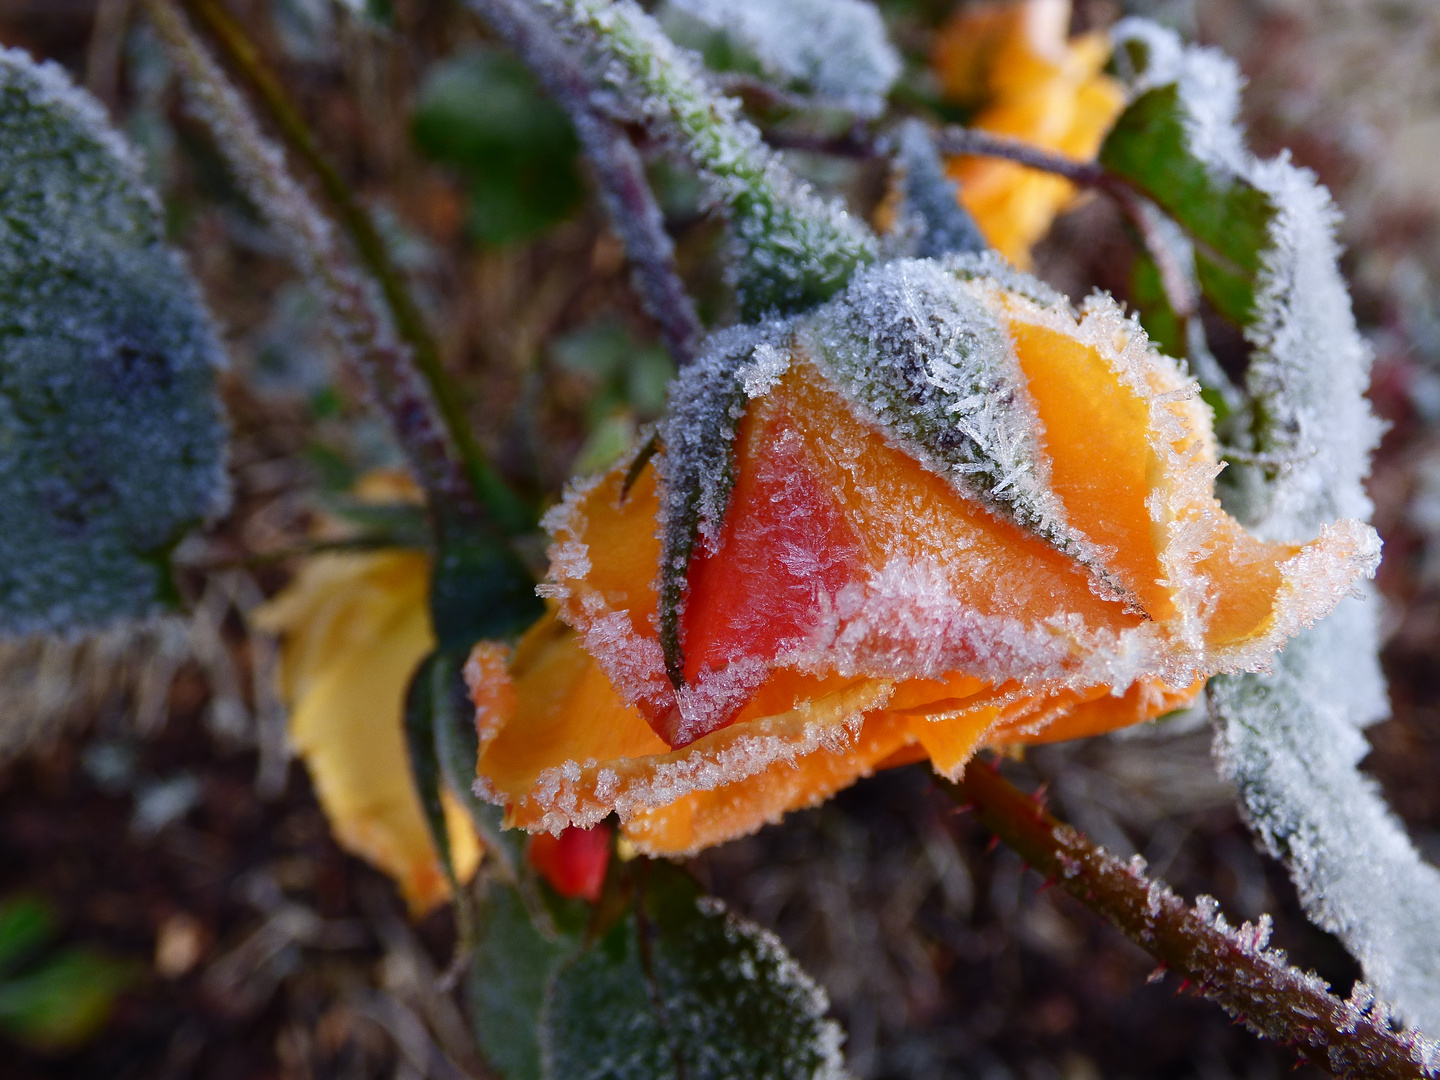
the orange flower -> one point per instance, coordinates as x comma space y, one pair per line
871, 591
1011, 62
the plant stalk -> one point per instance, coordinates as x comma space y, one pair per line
619, 173
373, 252
1229, 966
364, 334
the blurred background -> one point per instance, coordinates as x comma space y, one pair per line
171, 902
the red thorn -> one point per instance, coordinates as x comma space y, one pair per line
1183, 984
992, 845
1047, 883
994, 764
962, 808
1038, 795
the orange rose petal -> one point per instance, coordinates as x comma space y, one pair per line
701, 818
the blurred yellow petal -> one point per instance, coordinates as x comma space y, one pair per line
355, 627
1012, 63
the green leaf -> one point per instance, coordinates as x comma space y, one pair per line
510, 967
1227, 217
111, 440
26, 924
422, 700
480, 588
457, 748
484, 114
680, 988
64, 1001
1147, 294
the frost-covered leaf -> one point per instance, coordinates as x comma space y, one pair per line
111, 442
1266, 231
1291, 740
510, 967
930, 207
1292, 745
792, 249
706, 404
927, 362
834, 49
1226, 215
682, 988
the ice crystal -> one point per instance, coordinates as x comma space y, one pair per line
793, 249
111, 443
1291, 740
927, 363
835, 49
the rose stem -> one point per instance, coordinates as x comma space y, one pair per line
616, 166
1230, 967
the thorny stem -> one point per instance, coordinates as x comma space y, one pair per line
366, 337
963, 140
619, 172
373, 252
1229, 966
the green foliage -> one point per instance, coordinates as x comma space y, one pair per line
442, 743
111, 442
425, 701
26, 924
57, 1001
1147, 293
484, 114
480, 588
1226, 216
629, 382
512, 964
675, 987
679, 987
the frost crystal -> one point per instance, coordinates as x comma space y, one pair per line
1291, 740
930, 365
793, 249
111, 443
835, 49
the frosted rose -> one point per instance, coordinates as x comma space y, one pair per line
943, 511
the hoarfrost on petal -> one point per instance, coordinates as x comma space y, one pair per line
926, 362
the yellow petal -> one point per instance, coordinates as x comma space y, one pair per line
1030, 84
355, 628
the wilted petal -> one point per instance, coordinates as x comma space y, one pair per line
355, 628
